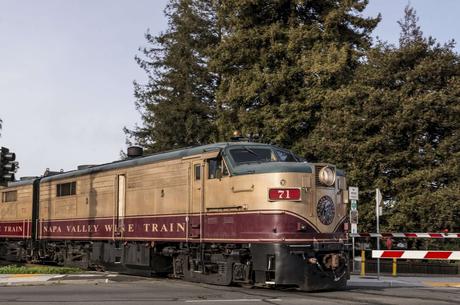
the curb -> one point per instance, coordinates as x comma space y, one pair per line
8, 280
381, 284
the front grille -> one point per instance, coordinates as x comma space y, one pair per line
317, 169
317, 181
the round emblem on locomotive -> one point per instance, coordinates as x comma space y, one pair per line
325, 210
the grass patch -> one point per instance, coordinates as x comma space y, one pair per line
15, 269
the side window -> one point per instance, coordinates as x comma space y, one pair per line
285, 156
9, 196
197, 171
66, 189
214, 167
217, 168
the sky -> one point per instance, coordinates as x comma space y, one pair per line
67, 70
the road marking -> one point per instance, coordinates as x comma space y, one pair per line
232, 300
24, 275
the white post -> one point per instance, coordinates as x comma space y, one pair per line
353, 253
378, 244
378, 199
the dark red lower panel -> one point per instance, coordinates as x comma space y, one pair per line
15, 229
236, 227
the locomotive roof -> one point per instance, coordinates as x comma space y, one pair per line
168, 155
163, 156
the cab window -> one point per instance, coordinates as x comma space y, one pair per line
245, 155
250, 155
285, 156
216, 168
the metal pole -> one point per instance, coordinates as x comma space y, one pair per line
353, 253
378, 240
394, 267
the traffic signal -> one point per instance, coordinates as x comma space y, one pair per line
8, 166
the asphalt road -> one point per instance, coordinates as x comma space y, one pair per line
133, 290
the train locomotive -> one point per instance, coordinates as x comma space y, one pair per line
226, 213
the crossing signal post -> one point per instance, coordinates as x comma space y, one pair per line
353, 195
8, 166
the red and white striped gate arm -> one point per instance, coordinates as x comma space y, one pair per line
407, 235
412, 254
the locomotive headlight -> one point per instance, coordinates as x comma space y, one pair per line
327, 176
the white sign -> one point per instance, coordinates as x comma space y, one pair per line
354, 228
354, 216
378, 202
353, 193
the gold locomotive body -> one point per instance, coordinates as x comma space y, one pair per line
222, 213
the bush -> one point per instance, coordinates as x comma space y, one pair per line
15, 269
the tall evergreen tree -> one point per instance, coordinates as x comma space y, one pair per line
277, 59
426, 134
177, 104
396, 127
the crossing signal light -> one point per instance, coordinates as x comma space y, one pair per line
8, 166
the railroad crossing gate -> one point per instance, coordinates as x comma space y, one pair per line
413, 254
408, 254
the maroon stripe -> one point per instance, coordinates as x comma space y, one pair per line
436, 235
15, 229
339, 228
226, 227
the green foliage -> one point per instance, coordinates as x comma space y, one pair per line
396, 127
14, 269
277, 60
177, 103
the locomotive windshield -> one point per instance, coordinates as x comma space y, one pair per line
245, 154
